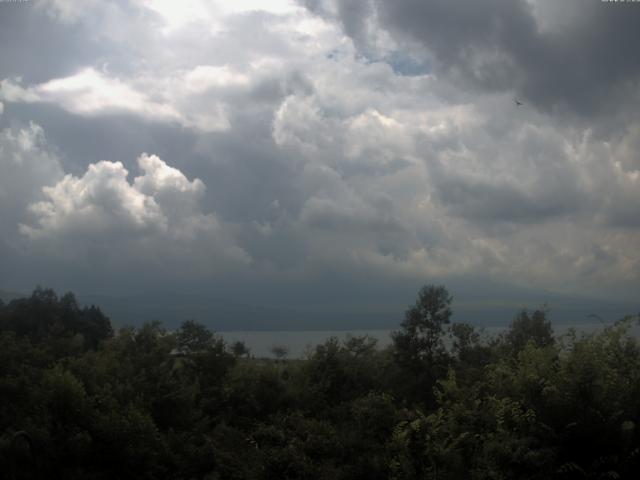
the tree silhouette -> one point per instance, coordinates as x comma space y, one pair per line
423, 326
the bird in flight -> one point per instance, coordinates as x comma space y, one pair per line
518, 102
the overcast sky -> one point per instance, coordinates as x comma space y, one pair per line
321, 158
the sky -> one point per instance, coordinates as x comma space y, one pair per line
311, 163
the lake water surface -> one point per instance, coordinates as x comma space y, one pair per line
299, 342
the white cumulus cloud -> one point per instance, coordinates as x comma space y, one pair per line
156, 214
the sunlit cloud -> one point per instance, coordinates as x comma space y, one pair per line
368, 139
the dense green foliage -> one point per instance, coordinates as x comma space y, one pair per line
442, 402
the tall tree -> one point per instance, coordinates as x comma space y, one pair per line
423, 326
419, 348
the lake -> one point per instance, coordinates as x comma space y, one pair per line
298, 342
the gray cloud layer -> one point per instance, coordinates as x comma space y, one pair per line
579, 55
301, 143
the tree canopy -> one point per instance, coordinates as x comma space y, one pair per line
443, 401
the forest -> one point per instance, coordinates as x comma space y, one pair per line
79, 400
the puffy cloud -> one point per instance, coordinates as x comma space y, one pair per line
434, 188
176, 16
371, 139
99, 201
195, 74
90, 92
158, 213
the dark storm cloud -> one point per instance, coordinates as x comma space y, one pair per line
587, 64
466, 36
353, 16
591, 65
